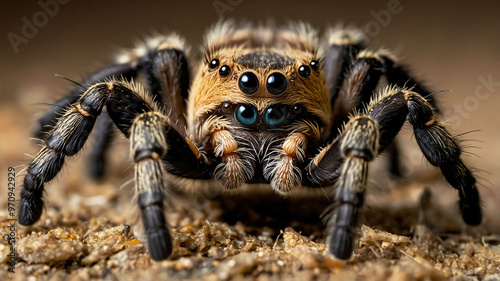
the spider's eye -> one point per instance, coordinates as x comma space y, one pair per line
297, 109
304, 71
276, 83
248, 83
224, 70
226, 107
275, 115
314, 65
246, 114
214, 64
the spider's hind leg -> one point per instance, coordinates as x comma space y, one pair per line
441, 149
399, 75
98, 154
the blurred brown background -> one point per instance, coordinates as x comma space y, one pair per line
452, 45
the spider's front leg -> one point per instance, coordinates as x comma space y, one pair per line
66, 139
358, 146
155, 145
148, 146
163, 63
49, 119
345, 161
104, 127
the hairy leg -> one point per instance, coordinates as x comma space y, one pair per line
137, 117
338, 162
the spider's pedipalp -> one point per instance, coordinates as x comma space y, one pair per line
233, 170
283, 172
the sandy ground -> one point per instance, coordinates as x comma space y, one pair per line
409, 229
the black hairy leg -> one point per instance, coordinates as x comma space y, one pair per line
97, 157
441, 150
148, 145
343, 46
358, 146
165, 66
66, 139
49, 119
353, 74
125, 102
98, 154
394, 165
167, 75
344, 162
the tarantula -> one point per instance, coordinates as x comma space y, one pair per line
266, 105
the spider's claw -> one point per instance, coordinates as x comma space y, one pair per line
340, 239
160, 244
158, 237
460, 177
471, 214
469, 207
29, 211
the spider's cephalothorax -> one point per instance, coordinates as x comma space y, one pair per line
264, 107
258, 106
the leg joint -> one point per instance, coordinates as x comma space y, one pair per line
146, 199
361, 138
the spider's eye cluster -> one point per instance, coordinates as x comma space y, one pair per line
305, 70
274, 116
249, 83
224, 70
